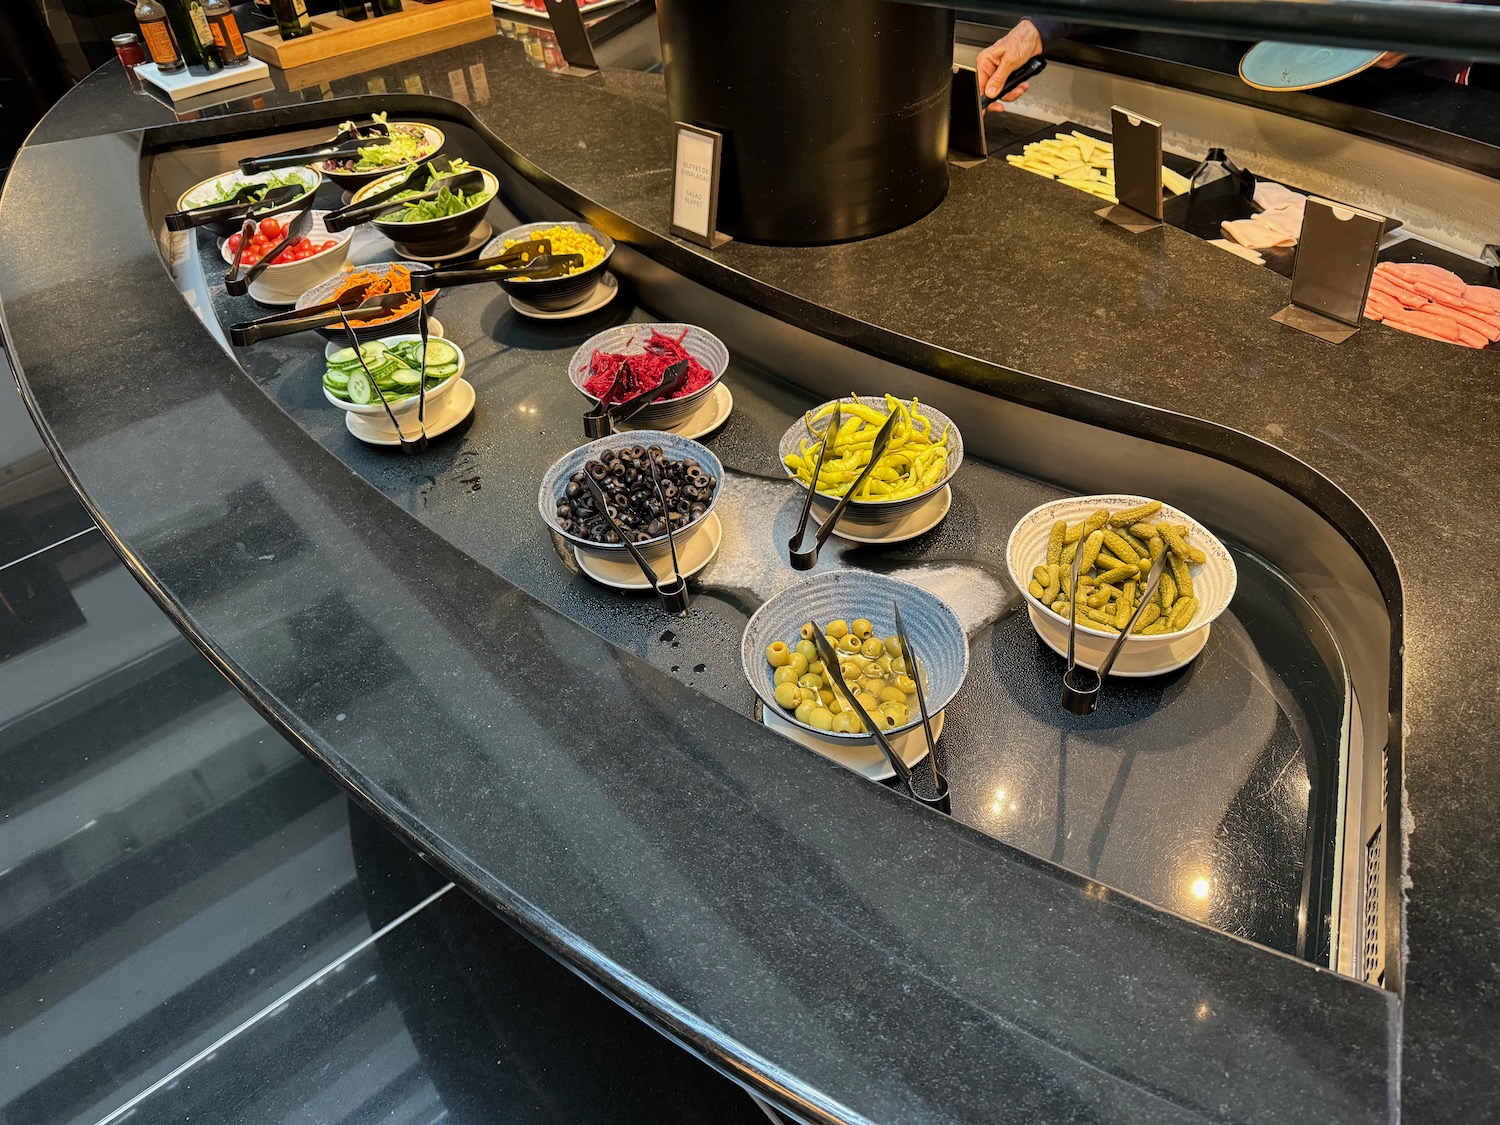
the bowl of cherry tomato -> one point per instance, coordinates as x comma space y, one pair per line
309, 261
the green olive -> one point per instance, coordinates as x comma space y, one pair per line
893, 714
862, 629
826, 697
906, 684
786, 674
808, 650
800, 662
837, 629
850, 643
816, 668
778, 654
873, 648
788, 696
804, 709
893, 646
867, 700
820, 718
892, 695
807, 631
851, 671
811, 682
898, 666
846, 722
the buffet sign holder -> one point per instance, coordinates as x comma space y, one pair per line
1336, 258
1138, 187
572, 36
333, 35
695, 186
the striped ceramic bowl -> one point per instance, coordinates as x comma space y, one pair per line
629, 339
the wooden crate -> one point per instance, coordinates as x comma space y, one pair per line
333, 35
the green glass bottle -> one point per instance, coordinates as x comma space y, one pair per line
352, 9
194, 37
292, 19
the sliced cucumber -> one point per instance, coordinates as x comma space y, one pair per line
361, 392
344, 357
335, 378
440, 352
441, 371
406, 378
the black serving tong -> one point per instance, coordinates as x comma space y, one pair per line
1081, 686
422, 386
406, 446
231, 208
239, 285
421, 177
461, 182
674, 594
674, 601
831, 664
328, 313
914, 670
806, 560
481, 269
346, 142
597, 423
1023, 73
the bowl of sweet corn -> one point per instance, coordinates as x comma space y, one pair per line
1119, 536
924, 452
553, 294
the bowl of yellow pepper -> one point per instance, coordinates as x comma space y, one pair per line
924, 452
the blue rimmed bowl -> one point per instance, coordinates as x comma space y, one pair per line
934, 629
555, 480
875, 510
629, 339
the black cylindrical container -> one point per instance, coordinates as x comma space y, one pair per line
834, 112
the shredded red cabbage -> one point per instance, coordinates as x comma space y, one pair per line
642, 372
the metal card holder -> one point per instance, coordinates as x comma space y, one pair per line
967, 147
695, 185
1137, 142
1336, 258
572, 36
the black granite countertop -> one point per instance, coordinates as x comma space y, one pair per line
819, 969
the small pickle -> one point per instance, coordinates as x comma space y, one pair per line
1179, 545
1107, 561
1148, 615
1126, 606
1183, 612
1054, 587
1180, 575
1091, 547
1036, 589
1120, 548
1118, 574
1040, 572
1055, 542
1096, 521
1167, 591
1061, 606
1127, 516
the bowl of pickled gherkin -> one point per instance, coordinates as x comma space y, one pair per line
1119, 536
691, 477
855, 611
924, 452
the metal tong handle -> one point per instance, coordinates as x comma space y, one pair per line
301, 320
673, 592
635, 553
939, 783
671, 379
389, 413
343, 140
459, 182
1083, 700
231, 208
806, 560
298, 227
353, 214
1023, 73
831, 430
422, 386
830, 661
471, 273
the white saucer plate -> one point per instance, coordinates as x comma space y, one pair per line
604, 292
1091, 650
695, 550
446, 413
709, 415
482, 234
867, 759
918, 521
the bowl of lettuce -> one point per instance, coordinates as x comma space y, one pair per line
409, 143
221, 188
432, 227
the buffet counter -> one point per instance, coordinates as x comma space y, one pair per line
836, 947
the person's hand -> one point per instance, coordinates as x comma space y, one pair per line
1390, 60
999, 60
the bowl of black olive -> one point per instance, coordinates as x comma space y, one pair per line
691, 481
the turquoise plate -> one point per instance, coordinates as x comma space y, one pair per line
1301, 66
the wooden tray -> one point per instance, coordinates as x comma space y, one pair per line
333, 35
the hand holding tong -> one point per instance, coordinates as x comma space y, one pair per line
605, 416
674, 594
1023, 73
1081, 686
420, 177
346, 142
807, 559
464, 182
354, 302
296, 229
830, 660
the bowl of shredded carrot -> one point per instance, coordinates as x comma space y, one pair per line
630, 359
381, 277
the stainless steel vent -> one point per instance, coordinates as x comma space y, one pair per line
1373, 968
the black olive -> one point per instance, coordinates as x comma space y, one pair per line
656, 527
641, 536
699, 509
597, 470
578, 477
607, 456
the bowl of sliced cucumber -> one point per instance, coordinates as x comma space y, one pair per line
392, 367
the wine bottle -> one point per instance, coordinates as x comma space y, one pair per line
292, 19
196, 45
156, 33
226, 32
352, 9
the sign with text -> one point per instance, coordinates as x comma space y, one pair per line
695, 185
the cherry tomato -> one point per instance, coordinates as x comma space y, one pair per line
270, 228
249, 258
234, 242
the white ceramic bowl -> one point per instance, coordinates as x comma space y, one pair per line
877, 510
200, 193
432, 142
281, 283
630, 339
408, 404
1214, 584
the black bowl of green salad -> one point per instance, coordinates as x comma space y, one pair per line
432, 227
409, 143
